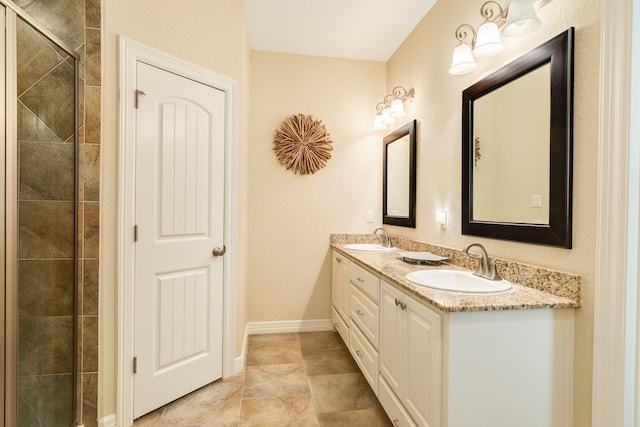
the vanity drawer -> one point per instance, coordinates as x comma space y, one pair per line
365, 314
392, 406
368, 282
340, 325
365, 356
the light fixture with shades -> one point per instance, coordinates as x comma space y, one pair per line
463, 61
392, 107
520, 18
488, 42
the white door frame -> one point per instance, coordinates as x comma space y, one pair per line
616, 356
130, 53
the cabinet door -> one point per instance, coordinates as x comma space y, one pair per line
422, 392
391, 339
340, 285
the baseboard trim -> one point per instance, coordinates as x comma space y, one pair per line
284, 326
108, 421
240, 360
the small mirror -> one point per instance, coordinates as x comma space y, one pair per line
399, 175
517, 148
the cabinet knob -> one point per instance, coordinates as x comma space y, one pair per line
339, 260
403, 306
360, 312
360, 279
358, 353
337, 325
397, 302
396, 423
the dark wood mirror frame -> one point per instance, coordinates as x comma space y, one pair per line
559, 53
410, 221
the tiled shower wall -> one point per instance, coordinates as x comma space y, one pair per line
78, 23
46, 201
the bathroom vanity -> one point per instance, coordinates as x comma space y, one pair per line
452, 359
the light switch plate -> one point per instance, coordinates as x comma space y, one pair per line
536, 201
370, 215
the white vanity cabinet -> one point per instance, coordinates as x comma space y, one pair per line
434, 368
340, 295
364, 320
481, 368
411, 355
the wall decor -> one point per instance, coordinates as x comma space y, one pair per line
303, 144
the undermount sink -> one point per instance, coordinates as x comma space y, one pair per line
368, 247
456, 280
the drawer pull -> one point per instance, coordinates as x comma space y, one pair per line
396, 423
403, 306
360, 279
360, 312
358, 353
397, 302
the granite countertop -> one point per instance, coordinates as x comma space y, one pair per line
542, 288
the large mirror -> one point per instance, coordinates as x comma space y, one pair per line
517, 139
399, 177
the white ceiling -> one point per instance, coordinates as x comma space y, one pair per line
355, 29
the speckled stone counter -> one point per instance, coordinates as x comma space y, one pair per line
533, 287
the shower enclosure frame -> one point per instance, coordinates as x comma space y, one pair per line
9, 215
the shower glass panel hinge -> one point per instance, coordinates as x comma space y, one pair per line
138, 93
135, 233
135, 365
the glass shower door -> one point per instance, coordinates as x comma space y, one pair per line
40, 205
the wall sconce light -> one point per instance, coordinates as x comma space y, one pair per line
392, 107
520, 18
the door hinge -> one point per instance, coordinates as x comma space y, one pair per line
135, 365
135, 233
137, 101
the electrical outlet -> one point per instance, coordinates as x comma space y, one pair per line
370, 215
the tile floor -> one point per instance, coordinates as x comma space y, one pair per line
297, 379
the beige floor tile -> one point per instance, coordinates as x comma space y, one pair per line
217, 404
359, 418
275, 380
342, 392
271, 338
279, 412
325, 340
149, 420
273, 353
324, 362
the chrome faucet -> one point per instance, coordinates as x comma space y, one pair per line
387, 239
486, 266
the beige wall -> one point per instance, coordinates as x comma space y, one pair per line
422, 62
291, 215
210, 33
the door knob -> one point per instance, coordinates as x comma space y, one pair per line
219, 252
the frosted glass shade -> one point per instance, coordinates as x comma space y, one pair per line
462, 61
397, 109
522, 18
386, 117
378, 123
488, 42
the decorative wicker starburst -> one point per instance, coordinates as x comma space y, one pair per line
303, 144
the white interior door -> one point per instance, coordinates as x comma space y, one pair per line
179, 216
